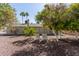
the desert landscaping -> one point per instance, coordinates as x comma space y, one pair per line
39, 29
25, 46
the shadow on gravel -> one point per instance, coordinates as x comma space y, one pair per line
44, 48
71, 42
22, 42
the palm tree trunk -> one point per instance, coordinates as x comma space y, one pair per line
26, 17
22, 19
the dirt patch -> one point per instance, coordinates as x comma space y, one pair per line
22, 42
22, 46
44, 48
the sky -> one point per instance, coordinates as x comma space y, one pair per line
31, 8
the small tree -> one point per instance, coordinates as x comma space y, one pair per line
7, 15
51, 17
29, 31
74, 26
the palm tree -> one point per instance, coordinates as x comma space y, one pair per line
23, 15
26, 14
27, 20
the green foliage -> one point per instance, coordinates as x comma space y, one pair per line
23, 14
29, 31
52, 16
7, 14
72, 25
60, 17
72, 21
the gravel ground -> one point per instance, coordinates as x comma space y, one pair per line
35, 49
6, 46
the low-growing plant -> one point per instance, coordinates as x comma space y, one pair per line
29, 31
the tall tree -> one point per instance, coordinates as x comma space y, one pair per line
23, 15
27, 20
26, 14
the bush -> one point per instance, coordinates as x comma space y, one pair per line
29, 31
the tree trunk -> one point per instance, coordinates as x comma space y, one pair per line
76, 36
22, 19
57, 39
60, 35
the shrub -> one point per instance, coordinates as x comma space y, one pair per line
29, 31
